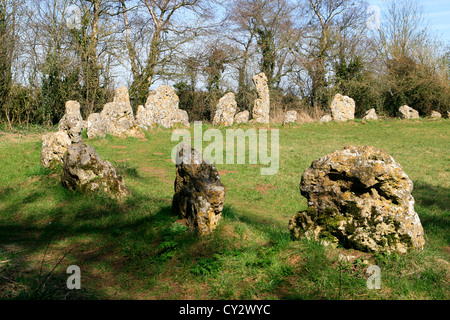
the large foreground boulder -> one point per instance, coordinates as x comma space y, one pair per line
86, 172
361, 198
199, 194
406, 112
54, 145
342, 108
261, 108
225, 110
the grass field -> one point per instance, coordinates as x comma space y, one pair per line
136, 249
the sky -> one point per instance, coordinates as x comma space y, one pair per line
438, 14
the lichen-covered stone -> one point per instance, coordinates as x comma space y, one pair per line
162, 105
435, 115
225, 110
86, 172
370, 115
342, 108
326, 118
361, 198
261, 108
116, 118
96, 126
242, 117
144, 117
406, 112
199, 194
290, 117
54, 145
181, 116
72, 122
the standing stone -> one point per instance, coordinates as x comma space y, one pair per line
163, 105
85, 171
72, 122
199, 195
122, 95
225, 110
290, 117
54, 145
435, 115
96, 126
371, 115
242, 117
406, 112
181, 116
342, 108
326, 118
118, 115
144, 118
116, 118
261, 109
361, 198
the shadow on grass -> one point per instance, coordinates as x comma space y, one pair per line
433, 205
125, 235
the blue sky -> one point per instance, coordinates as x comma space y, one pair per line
438, 14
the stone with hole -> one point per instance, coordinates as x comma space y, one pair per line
361, 198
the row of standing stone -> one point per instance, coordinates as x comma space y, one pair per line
343, 109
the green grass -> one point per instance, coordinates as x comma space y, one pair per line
136, 249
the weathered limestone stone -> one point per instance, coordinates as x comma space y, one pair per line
54, 145
406, 112
242, 117
359, 197
261, 109
435, 115
116, 118
225, 110
84, 125
371, 115
72, 122
96, 126
326, 118
342, 108
122, 95
144, 117
199, 195
181, 116
85, 171
162, 104
290, 117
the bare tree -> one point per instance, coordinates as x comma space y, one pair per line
167, 33
325, 20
